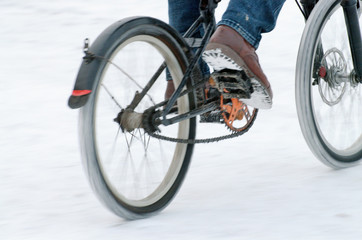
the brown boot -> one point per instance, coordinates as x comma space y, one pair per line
227, 49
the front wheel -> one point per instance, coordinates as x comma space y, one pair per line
328, 96
133, 174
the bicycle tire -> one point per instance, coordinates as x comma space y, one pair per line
322, 111
136, 157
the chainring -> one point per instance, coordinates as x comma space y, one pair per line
236, 114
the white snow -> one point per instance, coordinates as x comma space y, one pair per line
263, 185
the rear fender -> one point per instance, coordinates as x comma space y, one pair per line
101, 49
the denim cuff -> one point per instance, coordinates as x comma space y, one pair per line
242, 31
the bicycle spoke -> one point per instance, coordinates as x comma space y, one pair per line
125, 73
148, 142
111, 95
143, 139
130, 78
109, 156
129, 158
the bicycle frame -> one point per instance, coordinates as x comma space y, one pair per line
83, 85
354, 34
207, 18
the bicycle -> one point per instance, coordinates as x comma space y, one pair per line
137, 147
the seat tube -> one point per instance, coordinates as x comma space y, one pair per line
354, 34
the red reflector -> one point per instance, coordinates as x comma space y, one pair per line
78, 93
322, 72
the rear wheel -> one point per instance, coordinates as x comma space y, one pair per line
328, 96
133, 174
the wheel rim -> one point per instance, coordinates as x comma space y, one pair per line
138, 170
336, 101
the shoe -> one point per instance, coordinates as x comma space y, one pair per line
227, 49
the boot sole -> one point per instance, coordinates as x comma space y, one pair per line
221, 57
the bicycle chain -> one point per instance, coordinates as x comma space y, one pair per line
196, 141
205, 140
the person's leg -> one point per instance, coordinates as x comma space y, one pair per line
251, 18
233, 44
182, 14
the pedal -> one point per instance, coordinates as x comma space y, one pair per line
232, 84
211, 117
211, 93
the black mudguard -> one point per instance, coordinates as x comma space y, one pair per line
100, 50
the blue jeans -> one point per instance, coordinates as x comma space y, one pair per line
182, 14
250, 18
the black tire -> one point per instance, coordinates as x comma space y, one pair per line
328, 106
120, 163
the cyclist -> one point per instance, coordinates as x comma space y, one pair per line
235, 40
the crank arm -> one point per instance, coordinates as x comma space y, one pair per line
198, 111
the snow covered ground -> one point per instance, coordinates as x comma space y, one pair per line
264, 185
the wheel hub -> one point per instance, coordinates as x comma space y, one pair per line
129, 120
331, 73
